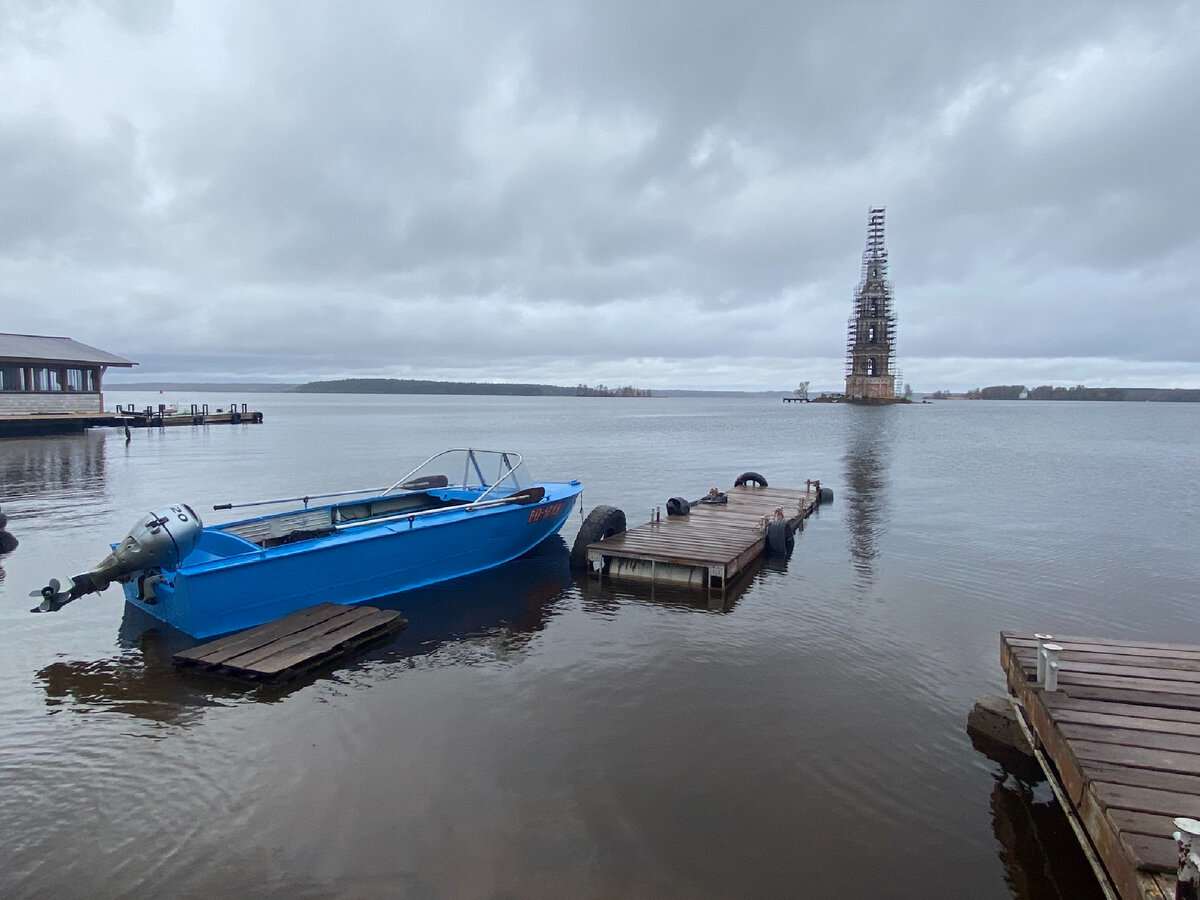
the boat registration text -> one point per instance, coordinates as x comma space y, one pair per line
549, 511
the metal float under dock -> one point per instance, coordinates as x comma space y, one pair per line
713, 543
1116, 728
292, 645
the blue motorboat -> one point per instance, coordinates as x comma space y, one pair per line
461, 511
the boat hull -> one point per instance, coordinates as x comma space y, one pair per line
228, 584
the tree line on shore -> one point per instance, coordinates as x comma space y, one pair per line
418, 386
1079, 392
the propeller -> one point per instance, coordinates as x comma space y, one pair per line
53, 598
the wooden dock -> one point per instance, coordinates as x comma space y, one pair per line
708, 547
39, 424
196, 414
290, 646
1120, 742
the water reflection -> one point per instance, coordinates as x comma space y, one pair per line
1040, 853
487, 617
63, 474
868, 454
478, 619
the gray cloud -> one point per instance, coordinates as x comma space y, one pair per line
669, 194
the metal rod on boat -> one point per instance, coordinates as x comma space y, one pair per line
522, 497
305, 499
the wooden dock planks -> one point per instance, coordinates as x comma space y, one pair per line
294, 644
1123, 733
722, 539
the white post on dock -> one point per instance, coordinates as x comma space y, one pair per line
1187, 882
1041, 658
1051, 651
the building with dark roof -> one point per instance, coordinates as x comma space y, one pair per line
52, 375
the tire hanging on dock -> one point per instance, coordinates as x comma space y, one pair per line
750, 476
780, 538
601, 523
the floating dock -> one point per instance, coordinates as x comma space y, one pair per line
293, 645
711, 545
1119, 740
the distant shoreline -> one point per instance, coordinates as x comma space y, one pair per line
1128, 395
1079, 392
425, 388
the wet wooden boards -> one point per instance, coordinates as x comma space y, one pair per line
709, 546
1123, 734
292, 645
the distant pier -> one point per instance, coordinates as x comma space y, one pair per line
163, 416
40, 424
1116, 728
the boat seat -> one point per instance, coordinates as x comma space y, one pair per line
386, 506
288, 528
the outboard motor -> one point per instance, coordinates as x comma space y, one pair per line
160, 540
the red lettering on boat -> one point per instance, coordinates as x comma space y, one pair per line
545, 512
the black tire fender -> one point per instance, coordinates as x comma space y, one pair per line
601, 523
750, 476
780, 539
826, 495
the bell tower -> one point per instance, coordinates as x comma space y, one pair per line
871, 330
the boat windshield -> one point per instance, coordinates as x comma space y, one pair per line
497, 473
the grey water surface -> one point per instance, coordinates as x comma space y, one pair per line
534, 735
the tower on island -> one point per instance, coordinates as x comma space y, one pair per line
871, 331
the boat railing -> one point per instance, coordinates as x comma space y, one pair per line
523, 497
507, 463
306, 499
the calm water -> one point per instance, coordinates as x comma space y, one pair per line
531, 735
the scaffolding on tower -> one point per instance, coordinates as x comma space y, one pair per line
871, 370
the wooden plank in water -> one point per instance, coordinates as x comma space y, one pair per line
1123, 734
291, 645
312, 642
243, 641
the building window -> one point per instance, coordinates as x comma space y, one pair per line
81, 380
874, 308
12, 378
45, 379
871, 335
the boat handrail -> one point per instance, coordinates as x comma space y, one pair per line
383, 492
303, 499
418, 514
470, 462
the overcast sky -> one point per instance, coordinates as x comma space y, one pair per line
662, 194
